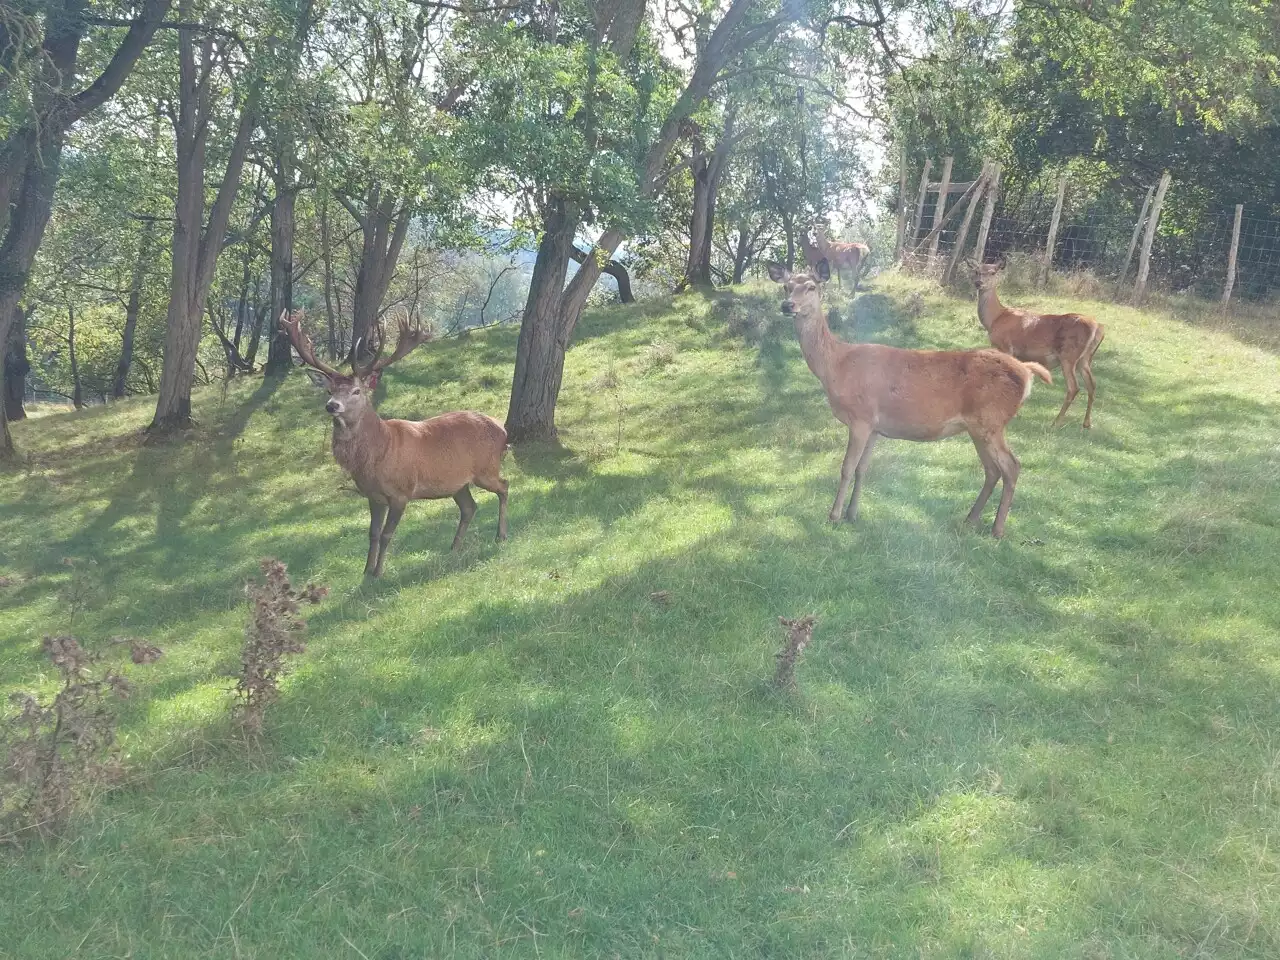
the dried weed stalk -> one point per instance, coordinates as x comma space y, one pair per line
799, 633
57, 751
275, 631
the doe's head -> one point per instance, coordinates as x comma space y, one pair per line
801, 287
986, 275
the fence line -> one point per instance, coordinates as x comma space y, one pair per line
1222, 255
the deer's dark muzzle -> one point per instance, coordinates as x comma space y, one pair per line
788, 307
332, 407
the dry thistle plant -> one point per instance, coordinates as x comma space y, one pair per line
799, 633
274, 632
56, 751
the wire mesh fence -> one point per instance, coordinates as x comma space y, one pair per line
1101, 230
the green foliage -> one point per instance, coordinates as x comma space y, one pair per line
1059, 745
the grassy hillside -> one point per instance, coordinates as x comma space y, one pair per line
1062, 744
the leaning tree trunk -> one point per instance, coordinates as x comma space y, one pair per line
27, 222
384, 224
16, 367
119, 386
540, 351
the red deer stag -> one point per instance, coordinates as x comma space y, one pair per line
879, 391
1068, 339
842, 256
395, 461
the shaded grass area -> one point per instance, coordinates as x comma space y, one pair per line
1062, 744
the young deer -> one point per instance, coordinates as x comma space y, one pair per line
1069, 339
841, 256
879, 391
395, 461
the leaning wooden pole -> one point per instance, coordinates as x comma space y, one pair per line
988, 211
940, 207
901, 238
1144, 259
1231, 255
963, 234
1052, 241
1133, 241
921, 196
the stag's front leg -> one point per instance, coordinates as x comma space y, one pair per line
377, 515
394, 512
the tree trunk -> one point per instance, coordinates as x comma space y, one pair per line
16, 368
540, 351
384, 224
279, 359
77, 390
708, 170
196, 245
326, 255
550, 315
741, 254
134, 306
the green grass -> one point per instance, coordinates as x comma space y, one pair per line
1065, 744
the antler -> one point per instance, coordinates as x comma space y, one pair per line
292, 324
409, 339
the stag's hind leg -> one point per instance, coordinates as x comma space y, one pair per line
394, 512
497, 485
466, 510
377, 516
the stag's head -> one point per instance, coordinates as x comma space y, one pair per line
350, 396
802, 288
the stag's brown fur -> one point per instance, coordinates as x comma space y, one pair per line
841, 256
880, 391
1068, 339
395, 461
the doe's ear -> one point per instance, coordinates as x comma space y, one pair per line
777, 272
319, 378
823, 270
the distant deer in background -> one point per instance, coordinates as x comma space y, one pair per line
879, 391
812, 255
395, 461
1070, 339
842, 257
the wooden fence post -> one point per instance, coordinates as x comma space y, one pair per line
901, 237
963, 234
920, 199
988, 210
1144, 259
1053, 232
1137, 232
1231, 257
941, 207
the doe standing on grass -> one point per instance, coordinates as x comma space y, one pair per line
1069, 339
879, 391
395, 461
